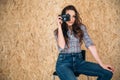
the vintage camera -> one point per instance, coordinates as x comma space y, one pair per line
65, 17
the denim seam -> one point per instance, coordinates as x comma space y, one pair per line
94, 72
61, 74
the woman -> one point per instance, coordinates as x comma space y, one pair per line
69, 36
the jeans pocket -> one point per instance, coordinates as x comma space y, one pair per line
61, 57
80, 57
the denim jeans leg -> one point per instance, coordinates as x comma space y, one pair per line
64, 68
65, 73
93, 69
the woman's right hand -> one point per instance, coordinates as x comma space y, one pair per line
59, 21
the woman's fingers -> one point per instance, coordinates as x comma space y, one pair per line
110, 68
59, 19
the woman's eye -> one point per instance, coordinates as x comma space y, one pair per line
74, 16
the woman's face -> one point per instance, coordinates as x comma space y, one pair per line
72, 17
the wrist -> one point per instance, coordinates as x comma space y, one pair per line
101, 64
59, 28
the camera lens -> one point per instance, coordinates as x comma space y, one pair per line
65, 17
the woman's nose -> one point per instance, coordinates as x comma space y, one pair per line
71, 18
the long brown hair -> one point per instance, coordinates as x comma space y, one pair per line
78, 33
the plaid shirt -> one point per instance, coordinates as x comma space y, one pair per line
74, 42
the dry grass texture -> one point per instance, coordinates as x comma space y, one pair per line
27, 45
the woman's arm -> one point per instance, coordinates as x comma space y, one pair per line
95, 55
60, 39
90, 45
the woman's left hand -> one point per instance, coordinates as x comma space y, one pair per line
108, 67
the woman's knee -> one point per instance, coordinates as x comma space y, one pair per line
108, 74
105, 75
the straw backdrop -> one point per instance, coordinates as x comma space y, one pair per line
28, 49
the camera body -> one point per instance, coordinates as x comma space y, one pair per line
65, 17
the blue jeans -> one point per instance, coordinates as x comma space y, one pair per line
70, 63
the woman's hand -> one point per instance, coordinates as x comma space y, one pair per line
59, 21
108, 67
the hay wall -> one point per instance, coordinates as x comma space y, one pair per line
27, 45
